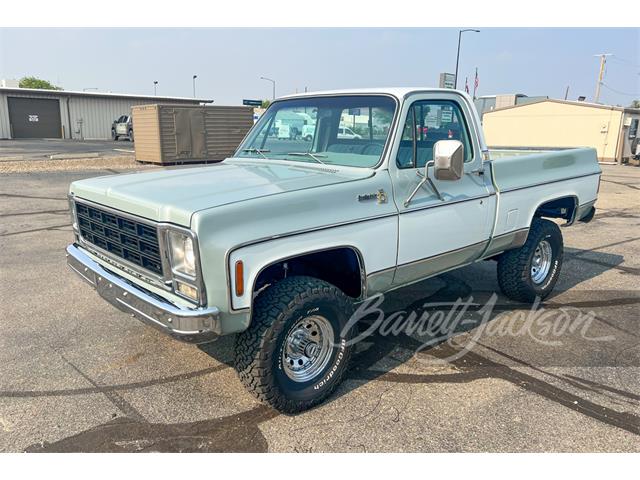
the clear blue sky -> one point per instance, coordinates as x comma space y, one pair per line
229, 62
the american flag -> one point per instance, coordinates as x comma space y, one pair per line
475, 84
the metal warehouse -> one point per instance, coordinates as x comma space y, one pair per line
34, 113
611, 130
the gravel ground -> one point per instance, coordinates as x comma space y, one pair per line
107, 163
36, 148
78, 375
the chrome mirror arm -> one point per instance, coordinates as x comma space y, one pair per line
415, 190
433, 187
425, 179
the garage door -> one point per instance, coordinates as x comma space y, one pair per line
34, 118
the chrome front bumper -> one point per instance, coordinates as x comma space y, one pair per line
189, 325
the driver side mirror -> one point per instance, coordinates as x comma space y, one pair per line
448, 158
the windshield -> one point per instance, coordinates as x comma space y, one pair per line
341, 130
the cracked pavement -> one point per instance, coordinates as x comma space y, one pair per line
78, 375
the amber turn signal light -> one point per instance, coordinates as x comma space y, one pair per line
239, 278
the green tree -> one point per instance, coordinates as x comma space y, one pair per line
266, 103
635, 104
33, 82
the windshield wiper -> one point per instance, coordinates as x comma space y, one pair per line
259, 151
315, 156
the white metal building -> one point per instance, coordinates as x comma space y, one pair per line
35, 113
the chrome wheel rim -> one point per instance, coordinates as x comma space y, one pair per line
307, 348
541, 262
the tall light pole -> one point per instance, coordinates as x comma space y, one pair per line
460, 32
194, 85
603, 62
273, 83
155, 87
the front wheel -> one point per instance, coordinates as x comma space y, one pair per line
532, 270
295, 353
114, 135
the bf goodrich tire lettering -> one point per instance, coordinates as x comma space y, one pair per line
517, 268
261, 350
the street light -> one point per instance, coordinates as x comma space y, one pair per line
194, 85
274, 85
155, 87
460, 32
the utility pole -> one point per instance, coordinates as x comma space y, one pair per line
460, 32
566, 92
603, 62
194, 85
155, 87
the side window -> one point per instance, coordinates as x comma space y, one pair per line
428, 122
633, 129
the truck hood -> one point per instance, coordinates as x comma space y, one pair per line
174, 195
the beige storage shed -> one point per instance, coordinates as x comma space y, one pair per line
170, 134
550, 123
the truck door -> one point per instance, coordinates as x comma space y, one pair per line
438, 234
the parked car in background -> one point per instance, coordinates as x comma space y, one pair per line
345, 133
308, 131
122, 127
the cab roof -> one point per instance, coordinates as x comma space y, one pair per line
398, 92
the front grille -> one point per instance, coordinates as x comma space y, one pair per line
131, 240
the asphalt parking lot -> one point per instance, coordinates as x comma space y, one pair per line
78, 375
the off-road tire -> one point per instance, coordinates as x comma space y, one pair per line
514, 266
258, 350
114, 136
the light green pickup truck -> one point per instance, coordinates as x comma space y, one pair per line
280, 242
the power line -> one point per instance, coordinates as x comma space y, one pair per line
624, 60
619, 92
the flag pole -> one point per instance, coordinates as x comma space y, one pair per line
475, 84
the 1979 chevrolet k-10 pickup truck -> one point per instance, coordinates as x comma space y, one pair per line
278, 243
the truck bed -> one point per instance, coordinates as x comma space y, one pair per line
525, 182
517, 169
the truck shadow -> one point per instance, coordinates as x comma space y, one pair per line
405, 358
465, 350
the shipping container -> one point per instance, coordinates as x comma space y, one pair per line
170, 134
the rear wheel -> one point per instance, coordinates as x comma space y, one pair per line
295, 353
532, 270
114, 136
131, 135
